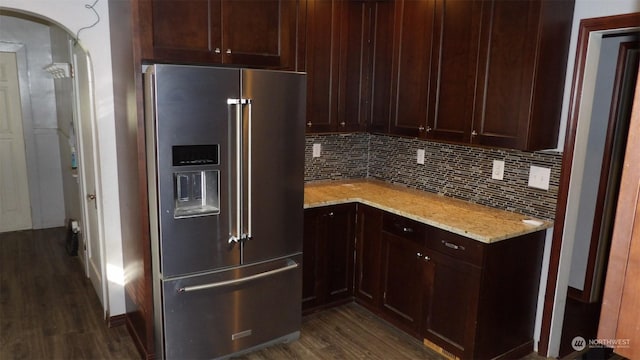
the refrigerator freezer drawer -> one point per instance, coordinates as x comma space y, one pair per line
214, 315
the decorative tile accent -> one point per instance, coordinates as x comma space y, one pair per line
457, 171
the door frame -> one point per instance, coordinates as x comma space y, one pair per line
589, 37
82, 166
597, 250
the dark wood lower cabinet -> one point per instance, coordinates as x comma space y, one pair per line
328, 250
368, 247
451, 306
402, 282
402, 272
464, 298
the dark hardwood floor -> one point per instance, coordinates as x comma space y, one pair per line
49, 310
347, 332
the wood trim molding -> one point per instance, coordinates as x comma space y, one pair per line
118, 320
585, 28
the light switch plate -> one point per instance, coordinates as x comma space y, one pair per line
420, 157
498, 170
317, 148
539, 177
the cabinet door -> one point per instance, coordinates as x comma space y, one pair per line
380, 65
453, 73
355, 80
328, 250
339, 221
368, 245
413, 39
180, 30
259, 32
322, 63
402, 266
451, 306
312, 266
507, 63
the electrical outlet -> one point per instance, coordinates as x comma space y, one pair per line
539, 177
317, 148
420, 157
498, 170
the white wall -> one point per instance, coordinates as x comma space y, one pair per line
61, 52
72, 16
40, 125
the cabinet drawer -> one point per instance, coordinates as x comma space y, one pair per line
456, 246
403, 227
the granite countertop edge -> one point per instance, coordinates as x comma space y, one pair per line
422, 197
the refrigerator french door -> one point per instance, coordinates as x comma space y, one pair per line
225, 163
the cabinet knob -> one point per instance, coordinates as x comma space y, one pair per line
419, 254
228, 51
428, 129
343, 124
217, 50
421, 128
309, 123
474, 133
330, 214
426, 258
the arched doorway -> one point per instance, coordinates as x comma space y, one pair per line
55, 79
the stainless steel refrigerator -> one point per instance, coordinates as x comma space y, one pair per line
225, 163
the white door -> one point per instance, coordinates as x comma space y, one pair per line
88, 170
15, 206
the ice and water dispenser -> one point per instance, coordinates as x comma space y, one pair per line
196, 190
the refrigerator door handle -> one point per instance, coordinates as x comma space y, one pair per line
249, 166
291, 265
237, 236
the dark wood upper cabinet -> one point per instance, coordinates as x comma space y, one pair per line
473, 72
258, 33
323, 21
411, 66
348, 64
521, 68
353, 105
378, 66
453, 71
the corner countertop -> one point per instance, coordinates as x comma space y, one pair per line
474, 221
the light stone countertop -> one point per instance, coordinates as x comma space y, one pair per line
474, 221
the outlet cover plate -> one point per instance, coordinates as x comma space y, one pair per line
317, 148
420, 156
498, 170
539, 177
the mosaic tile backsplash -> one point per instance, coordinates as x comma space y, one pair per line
457, 171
